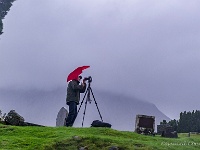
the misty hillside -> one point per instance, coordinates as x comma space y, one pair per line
41, 107
124, 109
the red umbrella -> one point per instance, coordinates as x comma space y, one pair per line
74, 74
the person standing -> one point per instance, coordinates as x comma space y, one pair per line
73, 97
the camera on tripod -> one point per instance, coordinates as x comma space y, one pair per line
88, 91
89, 79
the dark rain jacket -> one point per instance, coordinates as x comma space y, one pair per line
74, 90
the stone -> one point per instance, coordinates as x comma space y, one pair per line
145, 124
83, 148
169, 132
62, 114
77, 138
13, 118
165, 130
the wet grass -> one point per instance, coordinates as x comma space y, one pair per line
62, 138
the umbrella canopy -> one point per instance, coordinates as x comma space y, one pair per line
74, 74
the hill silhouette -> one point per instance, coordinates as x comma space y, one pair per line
41, 107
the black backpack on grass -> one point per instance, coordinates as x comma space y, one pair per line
97, 123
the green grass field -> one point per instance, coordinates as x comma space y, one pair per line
63, 138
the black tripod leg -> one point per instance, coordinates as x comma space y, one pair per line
84, 112
96, 104
82, 102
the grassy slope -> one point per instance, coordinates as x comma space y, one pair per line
61, 138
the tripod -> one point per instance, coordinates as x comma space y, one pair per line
89, 89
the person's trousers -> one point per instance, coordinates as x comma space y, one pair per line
72, 114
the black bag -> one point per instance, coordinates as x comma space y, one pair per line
97, 123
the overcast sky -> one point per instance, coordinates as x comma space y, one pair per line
148, 49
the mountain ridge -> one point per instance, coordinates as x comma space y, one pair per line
41, 107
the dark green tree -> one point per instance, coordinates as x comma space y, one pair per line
189, 122
163, 122
174, 124
4, 8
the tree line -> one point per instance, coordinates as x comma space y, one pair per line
4, 8
188, 122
